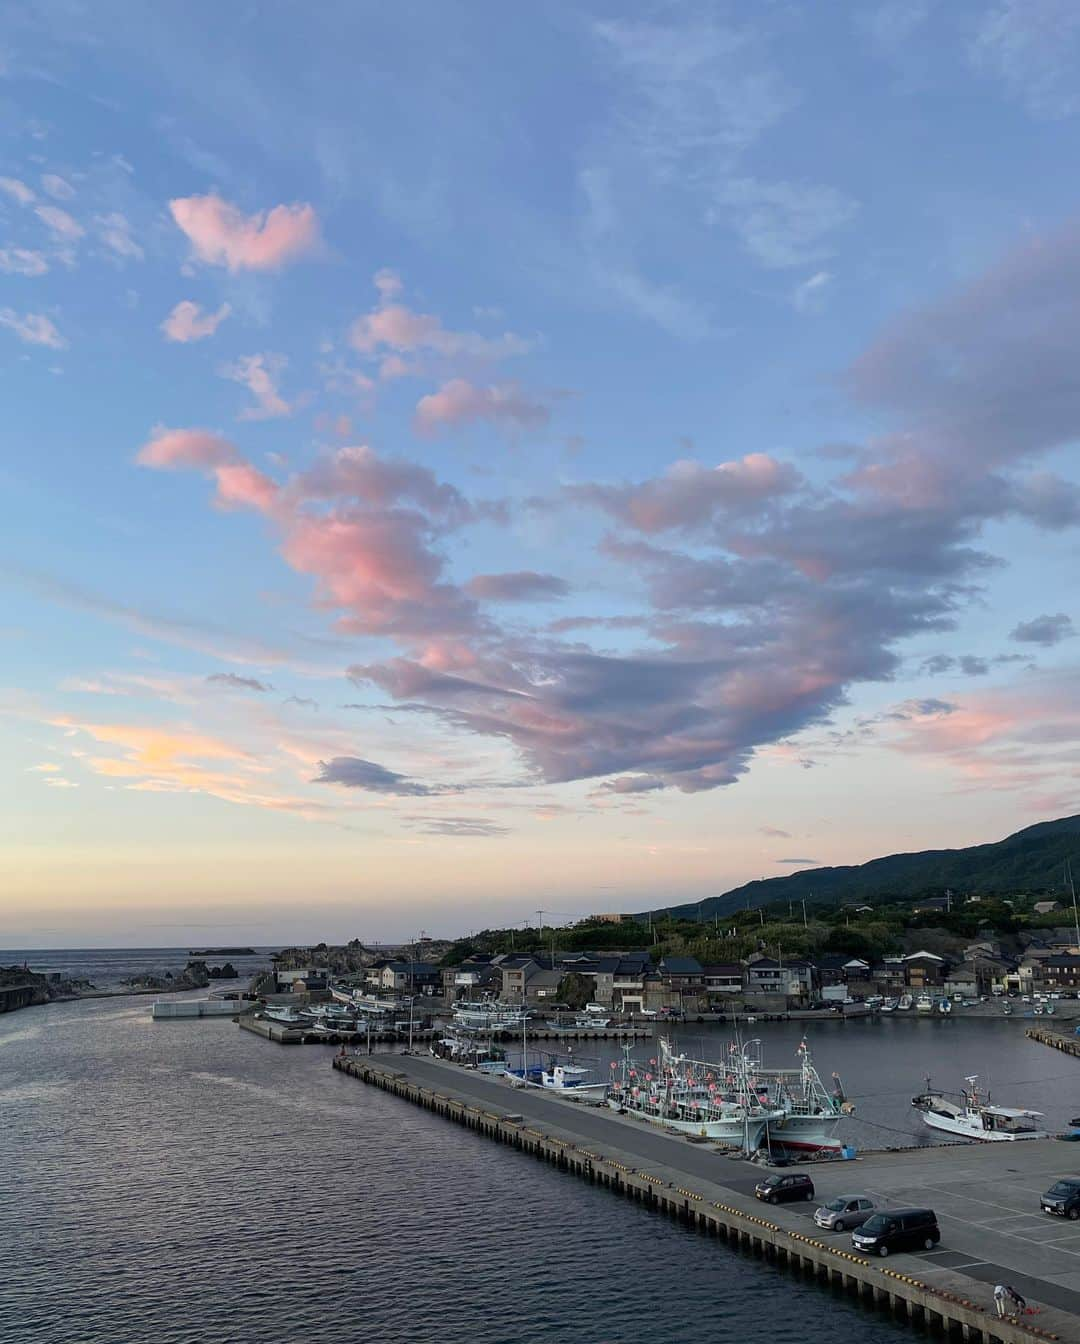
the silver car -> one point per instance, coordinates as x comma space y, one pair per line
843, 1212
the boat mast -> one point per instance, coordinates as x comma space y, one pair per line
1072, 888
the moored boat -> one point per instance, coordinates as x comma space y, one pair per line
973, 1117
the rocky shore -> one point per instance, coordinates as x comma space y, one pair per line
22, 988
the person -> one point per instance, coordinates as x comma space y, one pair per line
1000, 1294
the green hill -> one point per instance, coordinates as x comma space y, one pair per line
1032, 860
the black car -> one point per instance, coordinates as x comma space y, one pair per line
781, 1189
1063, 1198
897, 1230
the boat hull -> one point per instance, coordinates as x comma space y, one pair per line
969, 1130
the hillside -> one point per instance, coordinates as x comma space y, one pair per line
1032, 860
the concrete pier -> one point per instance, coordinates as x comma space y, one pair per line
985, 1196
1057, 1040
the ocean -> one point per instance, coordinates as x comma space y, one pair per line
184, 1180
107, 967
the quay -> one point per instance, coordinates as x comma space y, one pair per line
986, 1200
301, 1035
1068, 1045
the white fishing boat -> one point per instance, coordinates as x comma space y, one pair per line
708, 1100
568, 1080
889, 1006
287, 1016
944, 1007
924, 1004
811, 1113
489, 1015
590, 1021
467, 1050
904, 1002
973, 1117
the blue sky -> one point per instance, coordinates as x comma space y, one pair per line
460, 458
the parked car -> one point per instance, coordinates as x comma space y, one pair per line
783, 1189
844, 1212
1063, 1198
897, 1230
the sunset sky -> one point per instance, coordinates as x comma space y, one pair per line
467, 458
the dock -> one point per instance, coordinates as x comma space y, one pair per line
286, 1034
986, 1199
1057, 1040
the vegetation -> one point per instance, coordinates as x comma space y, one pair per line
1030, 863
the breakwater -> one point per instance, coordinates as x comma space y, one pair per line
668, 1175
1068, 1045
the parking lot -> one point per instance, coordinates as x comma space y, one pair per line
986, 1197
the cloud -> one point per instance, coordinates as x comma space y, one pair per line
303, 702
801, 863
114, 230
221, 235
18, 191
1044, 630
351, 772
691, 494
1032, 46
809, 296
774, 832
57, 187
45, 768
362, 526
459, 403
462, 827
187, 322
232, 682
32, 329
393, 327
627, 784
782, 224
22, 261
521, 586
60, 224
259, 373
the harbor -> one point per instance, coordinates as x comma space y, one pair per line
986, 1197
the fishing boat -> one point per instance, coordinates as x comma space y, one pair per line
334, 1027
589, 1021
489, 1015
944, 1007
709, 1100
973, 1117
568, 1080
924, 1004
1007, 1008
470, 1052
811, 1113
889, 1006
904, 1002
287, 1016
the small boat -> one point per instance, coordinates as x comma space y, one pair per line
589, 1021
888, 1006
975, 1118
329, 1027
944, 1007
287, 1016
924, 1004
1007, 1008
904, 1002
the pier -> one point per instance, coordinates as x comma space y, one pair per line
300, 1034
1057, 1040
986, 1197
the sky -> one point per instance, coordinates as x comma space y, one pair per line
461, 460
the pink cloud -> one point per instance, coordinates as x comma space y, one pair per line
222, 235
240, 485
114, 231
188, 322
258, 373
21, 261
32, 328
459, 403
174, 448
397, 328
18, 191
690, 494
59, 223
57, 187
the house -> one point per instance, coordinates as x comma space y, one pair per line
628, 982
1046, 907
836, 968
680, 972
977, 976
542, 986
302, 980
405, 977
890, 975
924, 970
1058, 972
931, 904
728, 978
793, 979
514, 972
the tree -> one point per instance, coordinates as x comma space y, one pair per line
576, 990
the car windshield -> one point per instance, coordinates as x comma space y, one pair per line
836, 1205
770, 1182
876, 1224
1063, 1188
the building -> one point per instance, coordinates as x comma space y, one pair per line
1046, 907
792, 979
726, 978
924, 970
1057, 973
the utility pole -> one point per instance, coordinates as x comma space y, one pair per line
541, 914
804, 923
